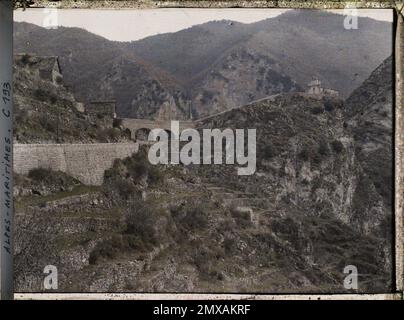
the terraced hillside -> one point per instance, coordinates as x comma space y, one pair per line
291, 227
45, 110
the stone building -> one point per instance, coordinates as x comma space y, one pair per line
314, 87
47, 66
49, 69
101, 108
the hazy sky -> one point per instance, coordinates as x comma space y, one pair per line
129, 25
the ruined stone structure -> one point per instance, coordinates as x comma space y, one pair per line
314, 87
85, 162
103, 108
140, 128
48, 66
50, 69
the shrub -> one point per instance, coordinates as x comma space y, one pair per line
190, 216
304, 155
317, 110
195, 218
142, 221
316, 158
138, 165
203, 258
140, 234
21, 116
25, 59
108, 249
202, 261
18, 179
127, 133
40, 94
125, 188
51, 178
53, 99
130, 169
269, 151
59, 80
114, 134
109, 135
47, 123
337, 146
323, 148
39, 174
328, 106
230, 245
155, 175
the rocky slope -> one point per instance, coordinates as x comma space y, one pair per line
291, 227
303, 42
239, 78
46, 111
317, 44
97, 69
307, 156
320, 198
369, 113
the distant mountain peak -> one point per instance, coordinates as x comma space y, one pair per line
223, 22
207, 62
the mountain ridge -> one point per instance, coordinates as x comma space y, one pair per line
293, 48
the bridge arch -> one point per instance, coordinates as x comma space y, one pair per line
140, 128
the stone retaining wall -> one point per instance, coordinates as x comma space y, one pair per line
85, 162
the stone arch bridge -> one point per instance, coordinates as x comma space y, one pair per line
140, 128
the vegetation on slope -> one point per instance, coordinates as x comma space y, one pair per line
165, 228
47, 112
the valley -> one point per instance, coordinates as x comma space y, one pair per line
90, 202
